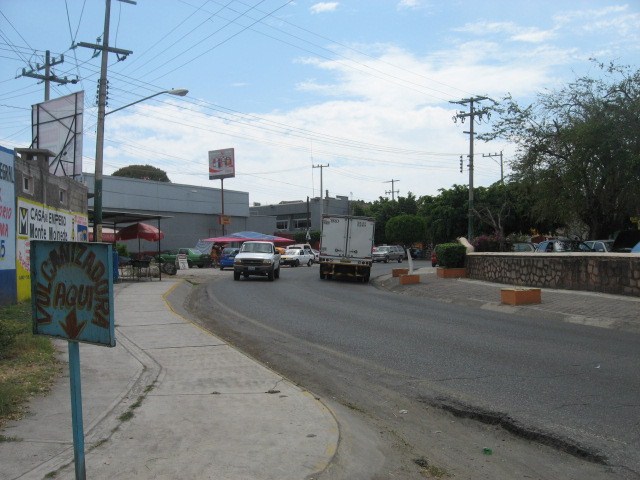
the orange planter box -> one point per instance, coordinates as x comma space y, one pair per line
396, 272
451, 272
521, 296
409, 279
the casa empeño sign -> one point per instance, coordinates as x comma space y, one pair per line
72, 291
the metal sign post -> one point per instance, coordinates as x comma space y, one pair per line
72, 298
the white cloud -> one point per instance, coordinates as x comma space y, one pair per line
513, 31
323, 7
408, 4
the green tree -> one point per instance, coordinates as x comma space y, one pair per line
579, 150
406, 229
445, 214
142, 172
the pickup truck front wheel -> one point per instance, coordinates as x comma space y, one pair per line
270, 275
276, 273
236, 275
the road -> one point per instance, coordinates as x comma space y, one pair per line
443, 383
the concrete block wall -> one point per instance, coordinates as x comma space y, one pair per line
615, 273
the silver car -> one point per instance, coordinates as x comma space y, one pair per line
385, 253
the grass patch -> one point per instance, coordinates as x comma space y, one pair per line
430, 471
28, 363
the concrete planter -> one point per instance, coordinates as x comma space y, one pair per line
409, 279
451, 272
396, 272
520, 296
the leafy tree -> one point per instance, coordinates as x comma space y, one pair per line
384, 209
405, 229
446, 214
143, 172
579, 150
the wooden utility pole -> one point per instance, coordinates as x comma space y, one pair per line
490, 155
392, 192
462, 116
321, 202
48, 77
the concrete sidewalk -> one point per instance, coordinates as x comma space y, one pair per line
586, 308
171, 401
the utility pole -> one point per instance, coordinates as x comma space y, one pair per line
321, 201
472, 114
48, 77
392, 192
102, 102
490, 155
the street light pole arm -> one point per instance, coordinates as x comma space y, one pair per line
180, 92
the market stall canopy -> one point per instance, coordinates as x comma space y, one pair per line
140, 231
248, 236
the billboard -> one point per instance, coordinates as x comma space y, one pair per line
57, 126
222, 164
7, 228
36, 221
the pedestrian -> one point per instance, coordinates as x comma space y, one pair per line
215, 255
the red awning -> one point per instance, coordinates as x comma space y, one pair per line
141, 231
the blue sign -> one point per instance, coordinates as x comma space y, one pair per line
72, 291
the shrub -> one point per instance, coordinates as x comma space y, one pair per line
451, 255
488, 243
121, 248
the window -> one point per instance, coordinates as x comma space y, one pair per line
62, 195
282, 225
27, 184
300, 223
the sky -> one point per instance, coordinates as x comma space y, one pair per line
361, 87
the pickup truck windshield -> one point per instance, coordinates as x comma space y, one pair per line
256, 248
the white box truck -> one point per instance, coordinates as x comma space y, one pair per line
345, 247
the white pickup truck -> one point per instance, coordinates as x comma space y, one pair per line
257, 258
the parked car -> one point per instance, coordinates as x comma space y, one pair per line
523, 247
195, 258
385, 253
562, 245
296, 257
600, 245
227, 257
307, 249
626, 241
316, 255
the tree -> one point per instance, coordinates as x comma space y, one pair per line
405, 229
446, 214
579, 150
143, 172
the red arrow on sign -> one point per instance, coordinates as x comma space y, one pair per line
71, 326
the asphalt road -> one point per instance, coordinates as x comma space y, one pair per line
405, 363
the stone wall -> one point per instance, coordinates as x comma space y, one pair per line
616, 273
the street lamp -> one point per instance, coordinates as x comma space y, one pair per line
180, 92
97, 182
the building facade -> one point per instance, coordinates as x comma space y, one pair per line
47, 207
190, 213
300, 216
